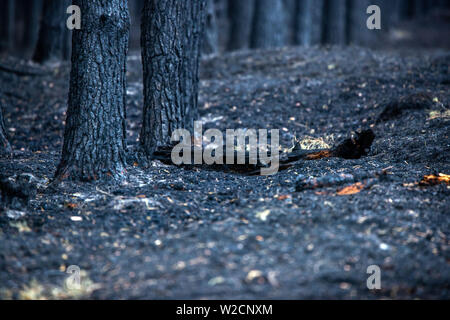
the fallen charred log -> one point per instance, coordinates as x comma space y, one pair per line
351, 148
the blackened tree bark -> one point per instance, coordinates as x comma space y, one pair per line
335, 22
7, 10
270, 29
94, 139
241, 16
310, 15
170, 41
5, 148
211, 35
52, 33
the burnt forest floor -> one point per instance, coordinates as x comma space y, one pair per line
172, 232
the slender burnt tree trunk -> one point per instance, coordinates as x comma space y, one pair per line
7, 10
241, 17
335, 22
52, 33
94, 139
211, 36
5, 148
170, 41
290, 7
310, 14
223, 22
270, 29
31, 29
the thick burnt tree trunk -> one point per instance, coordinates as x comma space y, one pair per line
5, 148
211, 35
52, 33
241, 17
7, 10
94, 138
170, 41
270, 29
310, 22
335, 22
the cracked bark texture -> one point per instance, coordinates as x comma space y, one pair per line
170, 41
95, 138
241, 16
5, 148
52, 33
270, 29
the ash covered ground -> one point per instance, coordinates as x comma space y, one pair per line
174, 232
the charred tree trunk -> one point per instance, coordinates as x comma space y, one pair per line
52, 33
290, 7
241, 16
223, 22
94, 138
31, 29
211, 34
335, 22
170, 41
7, 10
5, 148
310, 22
270, 29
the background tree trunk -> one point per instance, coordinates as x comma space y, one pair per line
310, 22
290, 7
335, 22
94, 138
7, 23
52, 32
31, 28
211, 34
241, 17
5, 148
170, 41
270, 28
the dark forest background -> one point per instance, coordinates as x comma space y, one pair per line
29, 28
